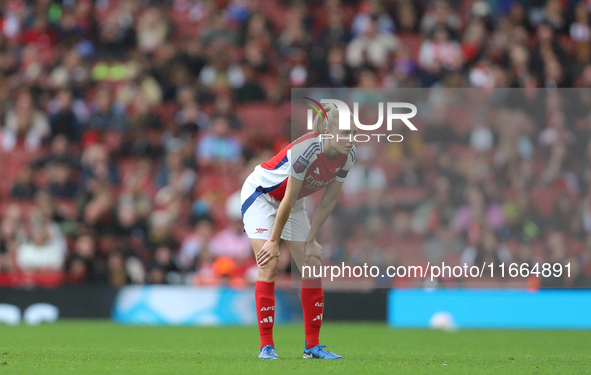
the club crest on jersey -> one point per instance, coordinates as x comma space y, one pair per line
300, 165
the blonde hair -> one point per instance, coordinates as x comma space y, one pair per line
330, 122
332, 119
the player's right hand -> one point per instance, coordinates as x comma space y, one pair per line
269, 251
313, 249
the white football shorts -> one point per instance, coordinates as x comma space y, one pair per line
259, 210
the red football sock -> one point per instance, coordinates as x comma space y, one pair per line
313, 306
264, 293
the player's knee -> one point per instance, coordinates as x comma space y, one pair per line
314, 262
269, 271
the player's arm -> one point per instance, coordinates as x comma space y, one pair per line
327, 203
271, 248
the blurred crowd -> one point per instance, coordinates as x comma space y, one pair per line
127, 127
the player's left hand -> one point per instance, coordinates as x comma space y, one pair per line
313, 249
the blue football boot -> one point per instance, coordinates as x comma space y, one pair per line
319, 352
268, 352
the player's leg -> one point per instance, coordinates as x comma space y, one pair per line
258, 215
312, 294
265, 296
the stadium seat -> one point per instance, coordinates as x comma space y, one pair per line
263, 117
408, 196
543, 200
412, 42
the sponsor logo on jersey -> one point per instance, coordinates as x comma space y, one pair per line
314, 184
260, 230
317, 171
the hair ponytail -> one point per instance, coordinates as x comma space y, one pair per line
320, 123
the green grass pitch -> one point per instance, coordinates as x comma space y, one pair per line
102, 347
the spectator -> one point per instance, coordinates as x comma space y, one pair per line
221, 73
96, 164
193, 56
71, 73
338, 74
411, 174
60, 152
174, 172
336, 32
46, 205
138, 189
232, 241
294, 35
442, 243
435, 212
250, 90
365, 174
481, 137
64, 121
25, 187
372, 47
223, 106
476, 212
12, 234
163, 270
152, 30
106, 113
24, 121
439, 130
440, 53
580, 31
61, 183
219, 31
116, 270
116, 34
218, 145
440, 14
46, 250
40, 33
190, 118
408, 16
194, 244
370, 11
487, 250
84, 266
128, 225
547, 51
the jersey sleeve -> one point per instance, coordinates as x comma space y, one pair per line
300, 156
342, 174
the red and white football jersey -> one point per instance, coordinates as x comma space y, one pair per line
305, 160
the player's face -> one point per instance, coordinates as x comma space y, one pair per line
344, 139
